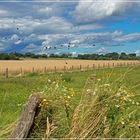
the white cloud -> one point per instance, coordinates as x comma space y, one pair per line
137, 52
29, 25
45, 10
87, 27
95, 10
3, 12
102, 50
32, 48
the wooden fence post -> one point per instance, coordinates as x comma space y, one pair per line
33, 70
6, 73
113, 65
25, 122
80, 67
55, 69
124, 64
21, 72
87, 67
45, 69
108, 65
64, 68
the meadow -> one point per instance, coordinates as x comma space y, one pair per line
76, 103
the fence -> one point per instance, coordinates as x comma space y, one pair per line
66, 68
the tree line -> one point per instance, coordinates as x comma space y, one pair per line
108, 56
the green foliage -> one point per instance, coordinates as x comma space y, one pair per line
5, 56
109, 56
61, 95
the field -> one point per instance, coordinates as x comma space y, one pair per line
27, 66
67, 88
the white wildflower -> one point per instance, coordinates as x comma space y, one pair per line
137, 103
106, 85
88, 90
94, 93
133, 102
117, 106
49, 80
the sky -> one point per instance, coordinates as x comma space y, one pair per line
70, 26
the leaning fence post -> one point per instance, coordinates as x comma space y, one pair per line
6, 73
26, 119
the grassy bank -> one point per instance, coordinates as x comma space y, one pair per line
63, 92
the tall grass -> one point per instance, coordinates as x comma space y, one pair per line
107, 110
107, 107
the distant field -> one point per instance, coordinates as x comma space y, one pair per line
15, 66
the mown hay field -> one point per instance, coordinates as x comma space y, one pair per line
16, 66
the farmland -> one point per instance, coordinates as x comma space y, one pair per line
28, 66
58, 88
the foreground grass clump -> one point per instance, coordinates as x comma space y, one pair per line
106, 110
54, 113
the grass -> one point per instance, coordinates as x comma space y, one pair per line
63, 93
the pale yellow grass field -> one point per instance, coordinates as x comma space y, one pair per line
39, 65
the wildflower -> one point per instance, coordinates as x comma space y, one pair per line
56, 85
117, 106
118, 94
96, 89
125, 98
68, 97
71, 95
88, 90
44, 100
122, 123
106, 85
18, 104
94, 93
98, 80
137, 103
42, 92
101, 86
133, 102
49, 80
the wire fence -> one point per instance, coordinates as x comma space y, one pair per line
7, 72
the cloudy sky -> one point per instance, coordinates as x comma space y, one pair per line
76, 26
